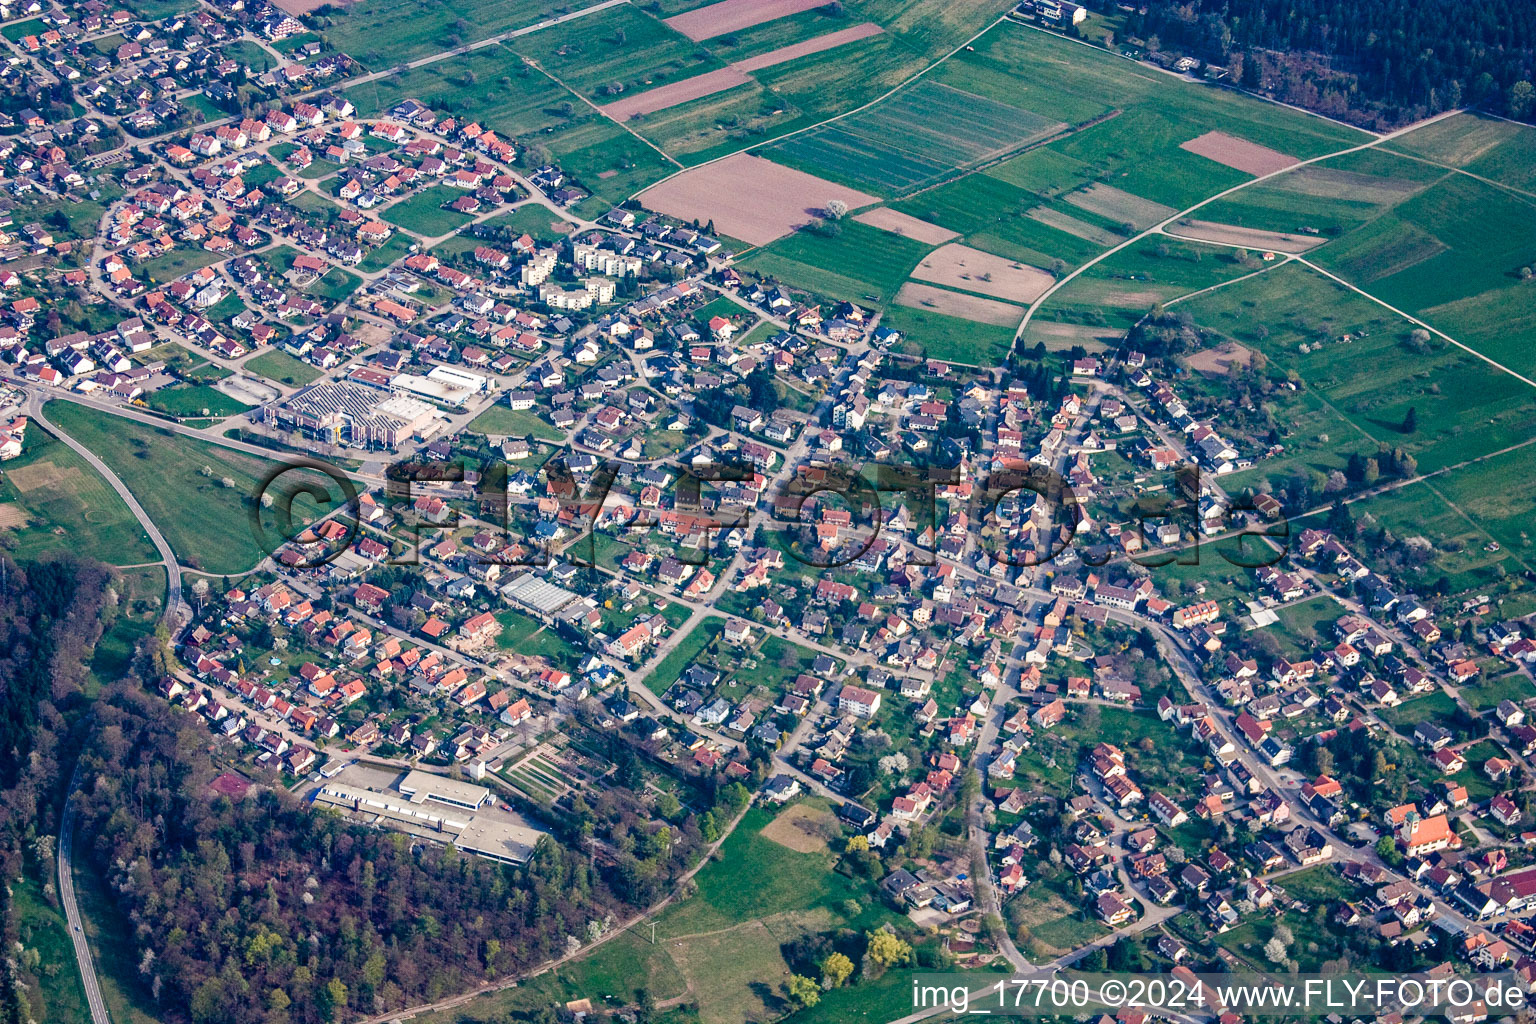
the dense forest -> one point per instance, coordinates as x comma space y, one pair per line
1377, 63
51, 616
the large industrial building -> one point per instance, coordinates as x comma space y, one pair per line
433, 807
346, 412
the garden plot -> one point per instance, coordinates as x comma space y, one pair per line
1072, 226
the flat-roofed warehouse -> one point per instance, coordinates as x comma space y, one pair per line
338, 411
434, 808
419, 787
539, 596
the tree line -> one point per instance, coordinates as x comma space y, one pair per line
1377, 63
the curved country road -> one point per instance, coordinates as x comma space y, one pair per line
174, 607
173, 600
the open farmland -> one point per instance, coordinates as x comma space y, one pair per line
895, 221
620, 50
735, 74
1358, 358
1452, 254
674, 93
1131, 121
1329, 197
805, 48
383, 33
1240, 154
958, 304
860, 263
492, 85
1116, 292
957, 266
1115, 204
1421, 517
1054, 218
804, 90
915, 138
1491, 147
748, 197
939, 335
1253, 238
734, 15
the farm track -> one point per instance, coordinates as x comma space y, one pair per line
1161, 228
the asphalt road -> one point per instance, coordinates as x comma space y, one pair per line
72, 914
174, 605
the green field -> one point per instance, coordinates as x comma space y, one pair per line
283, 368
207, 524
861, 263
1328, 197
141, 597
424, 212
55, 502
800, 93
187, 400
382, 256
533, 219
1130, 123
1118, 291
1452, 254
1420, 514
755, 878
939, 336
617, 51
689, 648
499, 419
336, 286
1500, 150
1361, 361
383, 33
1515, 686
175, 264
491, 85
1304, 627
58, 996
923, 134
